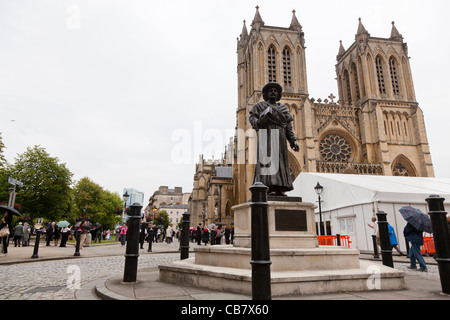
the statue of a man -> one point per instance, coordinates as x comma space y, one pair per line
273, 122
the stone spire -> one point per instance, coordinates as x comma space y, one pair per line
361, 29
257, 22
341, 51
244, 33
395, 35
294, 23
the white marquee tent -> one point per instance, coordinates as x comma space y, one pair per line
350, 201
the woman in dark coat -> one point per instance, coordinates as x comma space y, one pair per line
273, 122
6, 221
205, 236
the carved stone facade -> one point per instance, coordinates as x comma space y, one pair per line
376, 126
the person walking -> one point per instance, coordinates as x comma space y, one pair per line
26, 234
84, 232
64, 236
199, 234
123, 234
376, 232
205, 237
56, 233
393, 240
168, 235
415, 237
6, 221
227, 234
49, 233
18, 234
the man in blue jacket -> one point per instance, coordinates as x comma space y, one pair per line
415, 237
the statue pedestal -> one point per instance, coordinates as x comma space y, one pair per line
299, 264
291, 224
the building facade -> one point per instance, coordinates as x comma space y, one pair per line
375, 127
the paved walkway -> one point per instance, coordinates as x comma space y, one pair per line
419, 285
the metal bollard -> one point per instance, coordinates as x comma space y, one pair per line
36, 245
184, 245
132, 250
385, 243
260, 252
441, 236
77, 245
375, 247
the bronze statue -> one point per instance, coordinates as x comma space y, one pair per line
273, 122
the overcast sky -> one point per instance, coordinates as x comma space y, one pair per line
130, 92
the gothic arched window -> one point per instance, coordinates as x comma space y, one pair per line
380, 76
271, 64
287, 67
393, 69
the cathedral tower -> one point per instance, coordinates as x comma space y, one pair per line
374, 77
376, 126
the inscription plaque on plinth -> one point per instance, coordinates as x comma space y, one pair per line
291, 224
290, 220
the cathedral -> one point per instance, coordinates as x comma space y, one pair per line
374, 127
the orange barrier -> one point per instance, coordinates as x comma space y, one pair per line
332, 240
428, 245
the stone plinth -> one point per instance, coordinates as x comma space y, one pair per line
299, 265
291, 224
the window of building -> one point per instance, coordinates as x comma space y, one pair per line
287, 67
393, 69
380, 76
271, 65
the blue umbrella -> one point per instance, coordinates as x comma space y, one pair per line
416, 218
63, 224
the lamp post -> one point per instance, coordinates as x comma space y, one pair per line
318, 188
125, 199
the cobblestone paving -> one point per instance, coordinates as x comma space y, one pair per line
49, 280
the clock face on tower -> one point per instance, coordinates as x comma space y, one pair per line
335, 148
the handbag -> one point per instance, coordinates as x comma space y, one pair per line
4, 231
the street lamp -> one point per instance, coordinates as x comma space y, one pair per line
125, 198
318, 188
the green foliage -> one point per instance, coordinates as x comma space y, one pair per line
100, 204
2, 157
46, 188
162, 218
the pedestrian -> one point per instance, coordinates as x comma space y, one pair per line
415, 237
56, 233
219, 234
168, 235
227, 234
26, 234
18, 234
142, 232
123, 234
84, 232
65, 231
205, 237
48, 233
199, 234
376, 232
6, 222
393, 240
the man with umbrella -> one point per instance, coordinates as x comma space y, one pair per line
418, 222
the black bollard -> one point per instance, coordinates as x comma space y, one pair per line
150, 239
441, 237
385, 243
132, 249
375, 247
36, 245
261, 286
77, 245
184, 244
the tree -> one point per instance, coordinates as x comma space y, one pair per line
162, 218
46, 188
100, 204
2, 157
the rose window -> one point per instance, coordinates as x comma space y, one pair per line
335, 148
